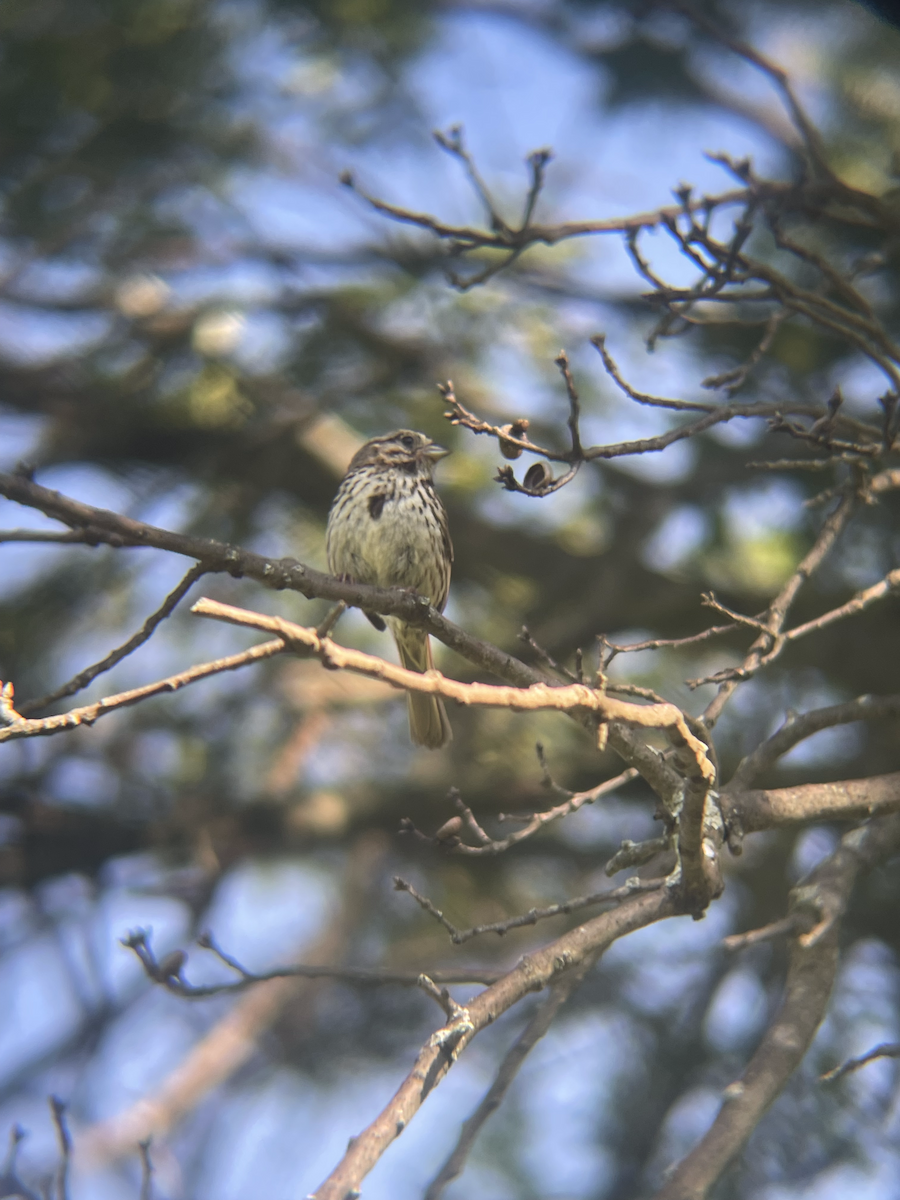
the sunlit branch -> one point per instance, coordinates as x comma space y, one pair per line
885, 481
116, 530
89, 713
690, 750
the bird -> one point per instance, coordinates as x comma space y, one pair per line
387, 527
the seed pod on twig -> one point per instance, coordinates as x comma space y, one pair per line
518, 429
537, 477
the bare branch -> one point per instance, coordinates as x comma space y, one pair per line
234, 1037
452, 142
770, 643
535, 971
562, 361
609, 649
861, 600
465, 238
690, 751
796, 728
168, 972
89, 674
458, 936
533, 822
778, 75
885, 481
560, 991
116, 530
146, 1169
71, 536
885, 1050
844, 800
787, 925
599, 341
87, 715
734, 379
10, 1175
58, 1112
537, 162
813, 963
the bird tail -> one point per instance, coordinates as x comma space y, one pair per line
428, 723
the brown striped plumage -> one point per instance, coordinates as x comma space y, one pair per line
388, 527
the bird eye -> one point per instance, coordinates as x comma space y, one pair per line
408, 441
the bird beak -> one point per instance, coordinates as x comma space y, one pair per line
436, 452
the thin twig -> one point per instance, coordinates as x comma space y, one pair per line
146, 1169
58, 1112
487, 846
452, 142
457, 936
537, 162
769, 644
861, 600
738, 941
89, 674
160, 972
885, 1050
599, 342
10, 1174
78, 536
89, 713
562, 361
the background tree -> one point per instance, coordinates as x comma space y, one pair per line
199, 324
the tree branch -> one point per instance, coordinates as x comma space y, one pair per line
560, 991
798, 728
89, 674
813, 964
89, 713
534, 972
845, 800
689, 750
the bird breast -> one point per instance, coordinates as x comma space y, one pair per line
380, 533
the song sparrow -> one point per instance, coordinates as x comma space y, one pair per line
388, 527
